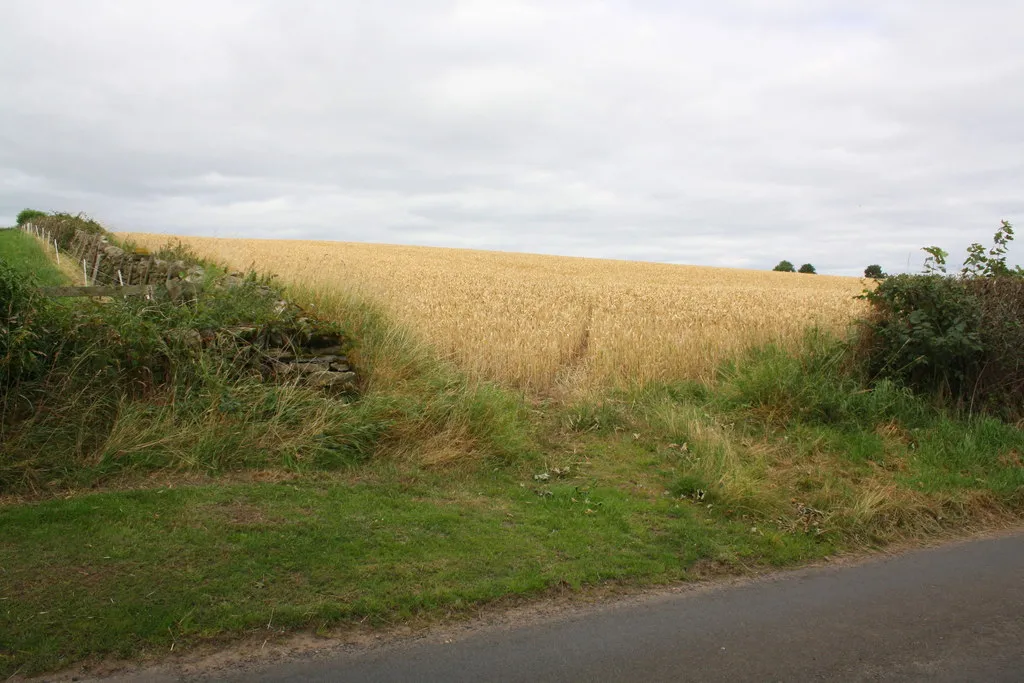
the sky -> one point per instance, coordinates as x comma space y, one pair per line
731, 133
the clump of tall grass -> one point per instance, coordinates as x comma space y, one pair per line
438, 415
802, 442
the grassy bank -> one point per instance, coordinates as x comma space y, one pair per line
210, 510
666, 483
124, 572
26, 255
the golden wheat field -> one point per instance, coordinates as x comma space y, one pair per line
547, 322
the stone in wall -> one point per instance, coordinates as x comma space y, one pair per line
304, 350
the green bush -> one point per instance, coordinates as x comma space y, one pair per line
924, 330
33, 330
959, 337
784, 267
29, 216
22, 343
808, 269
999, 385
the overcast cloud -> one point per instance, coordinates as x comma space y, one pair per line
735, 132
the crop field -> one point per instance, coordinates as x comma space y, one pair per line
546, 323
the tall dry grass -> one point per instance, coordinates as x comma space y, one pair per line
546, 322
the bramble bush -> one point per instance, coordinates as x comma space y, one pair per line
959, 337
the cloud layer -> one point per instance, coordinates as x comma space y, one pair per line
731, 133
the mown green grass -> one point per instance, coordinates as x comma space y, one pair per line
26, 255
118, 573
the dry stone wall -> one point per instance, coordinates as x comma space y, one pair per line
301, 348
106, 263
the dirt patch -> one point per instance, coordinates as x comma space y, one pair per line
706, 569
1011, 459
238, 513
894, 431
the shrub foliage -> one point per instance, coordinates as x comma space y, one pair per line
24, 327
960, 337
30, 216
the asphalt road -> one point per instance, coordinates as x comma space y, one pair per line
948, 614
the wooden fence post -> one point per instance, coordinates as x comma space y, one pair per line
96, 266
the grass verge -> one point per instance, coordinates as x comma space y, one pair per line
773, 465
25, 254
119, 573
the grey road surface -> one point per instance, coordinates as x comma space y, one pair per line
947, 614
